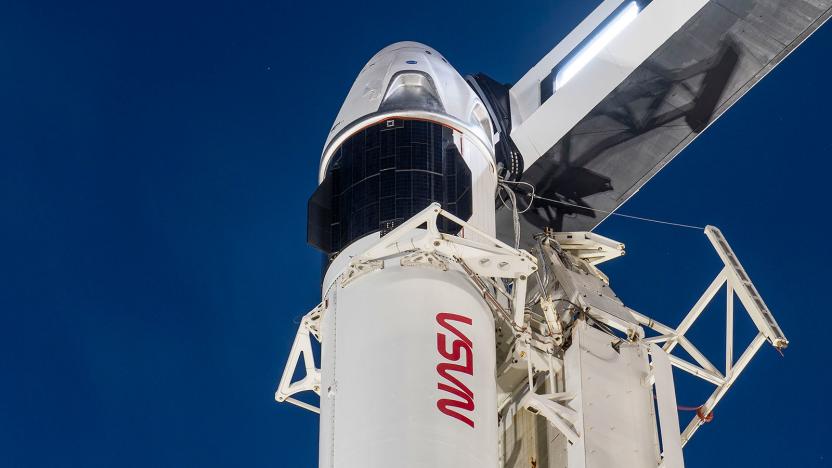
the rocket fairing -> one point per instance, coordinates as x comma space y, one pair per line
408, 353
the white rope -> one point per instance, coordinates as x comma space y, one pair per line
522, 183
638, 218
515, 215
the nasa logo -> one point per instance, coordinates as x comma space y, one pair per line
461, 360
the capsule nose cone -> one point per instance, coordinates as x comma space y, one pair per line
407, 45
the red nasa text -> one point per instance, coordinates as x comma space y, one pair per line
460, 356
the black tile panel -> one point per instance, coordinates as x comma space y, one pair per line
382, 176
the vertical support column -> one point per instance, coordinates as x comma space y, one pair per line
666, 404
729, 328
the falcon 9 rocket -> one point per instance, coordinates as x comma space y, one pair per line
408, 353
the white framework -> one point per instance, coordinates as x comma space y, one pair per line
738, 283
481, 261
490, 258
419, 243
302, 349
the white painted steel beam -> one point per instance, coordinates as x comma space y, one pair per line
720, 392
666, 404
698, 308
745, 290
729, 328
695, 370
536, 126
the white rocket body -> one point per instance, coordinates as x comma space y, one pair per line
381, 402
408, 353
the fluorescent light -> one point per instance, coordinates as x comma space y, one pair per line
597, 44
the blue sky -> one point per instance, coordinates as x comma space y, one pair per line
155, 162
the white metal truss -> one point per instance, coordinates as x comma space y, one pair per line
737, 281
302, 348
588, 246
573, 256
583, 285
581, 288
416, 247
430, 247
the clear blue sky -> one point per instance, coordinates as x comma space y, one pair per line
155, 162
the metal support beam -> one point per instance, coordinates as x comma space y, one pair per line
697, 355
729, 328
720, 392
738, 283
302, 349
697, 309
746, 292
695, 370
490, 259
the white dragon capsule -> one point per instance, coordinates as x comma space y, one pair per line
408, 352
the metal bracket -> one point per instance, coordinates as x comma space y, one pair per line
424, 259
550, 406
550, 314
302, 348
583, 285
358, 270
427, 247
588, 246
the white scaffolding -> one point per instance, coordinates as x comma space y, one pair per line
737, 282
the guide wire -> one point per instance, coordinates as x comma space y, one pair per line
533, 196
515, 214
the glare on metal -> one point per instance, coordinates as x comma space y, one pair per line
597, 44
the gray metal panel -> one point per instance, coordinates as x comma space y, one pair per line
711, 62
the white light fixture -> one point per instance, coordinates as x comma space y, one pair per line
597, 44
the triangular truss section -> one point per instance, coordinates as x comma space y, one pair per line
737, 282
302, 349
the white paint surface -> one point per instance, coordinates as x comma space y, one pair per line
380, 381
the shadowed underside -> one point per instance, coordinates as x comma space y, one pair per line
721, 53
